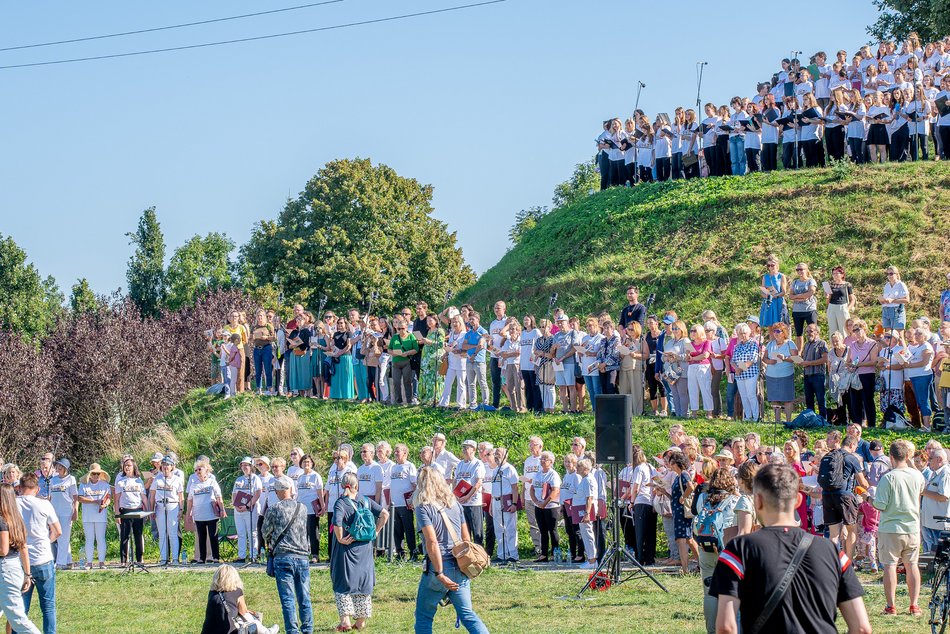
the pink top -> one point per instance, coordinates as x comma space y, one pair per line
705, 346
731, 347
871, 517
861, 353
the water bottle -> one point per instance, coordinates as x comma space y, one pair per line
558, 556
82, 563
183, 557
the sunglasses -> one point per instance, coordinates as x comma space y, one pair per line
675, 328
799, 270
777, 331
855, 330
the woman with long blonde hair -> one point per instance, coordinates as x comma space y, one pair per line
226, 601
14, 562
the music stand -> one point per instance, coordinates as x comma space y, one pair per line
133, 566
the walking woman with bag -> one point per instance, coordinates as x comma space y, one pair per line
440, 519
14, 563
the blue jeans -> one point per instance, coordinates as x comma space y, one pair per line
593, 389
431, 592
922, 392
44, 580
737, 154
293, 581
731, 390
894, 317
930, 538
815, 391
263, 364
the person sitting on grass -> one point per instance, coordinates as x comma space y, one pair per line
226, 606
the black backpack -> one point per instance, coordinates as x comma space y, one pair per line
831, 471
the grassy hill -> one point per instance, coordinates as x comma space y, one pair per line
702, 244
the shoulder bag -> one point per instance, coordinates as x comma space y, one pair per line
469, 556
277, 540
779, 592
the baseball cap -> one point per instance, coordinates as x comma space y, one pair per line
752, 319
438, 436
669, 319
470, 443
563, 317
156, 457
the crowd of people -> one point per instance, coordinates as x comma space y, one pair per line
880, 506
874, 106
835, 364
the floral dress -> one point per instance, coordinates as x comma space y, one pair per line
430, 381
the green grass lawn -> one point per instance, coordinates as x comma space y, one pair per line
526, 602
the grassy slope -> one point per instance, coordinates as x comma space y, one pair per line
508, 602
702, 243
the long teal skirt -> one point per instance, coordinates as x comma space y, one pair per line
301, 372
362, 391
342, 384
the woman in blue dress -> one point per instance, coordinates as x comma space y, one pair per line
774, 288
341, 387
300, 377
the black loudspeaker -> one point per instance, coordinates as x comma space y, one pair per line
612, 435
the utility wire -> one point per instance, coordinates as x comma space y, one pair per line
259, 37
169, 27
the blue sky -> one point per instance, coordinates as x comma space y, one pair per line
493, 106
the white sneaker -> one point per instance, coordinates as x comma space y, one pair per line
587, 566
274, 629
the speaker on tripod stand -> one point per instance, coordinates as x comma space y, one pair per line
613, 450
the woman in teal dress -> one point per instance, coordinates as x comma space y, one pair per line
341, 385
317, 356
300, 377
774, 289
430, 381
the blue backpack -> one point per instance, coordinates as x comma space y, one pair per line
708, 526
362, 526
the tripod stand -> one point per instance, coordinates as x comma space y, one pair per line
613, 559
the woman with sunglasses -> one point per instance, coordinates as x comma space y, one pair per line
780, 371
675, 367
774, 288
862, 359
893, 300
891, 363
804, 303
920, 373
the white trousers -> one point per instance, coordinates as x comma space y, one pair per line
547, 396
95, 532
383, 378
699, 381
750, 399
11, 600
457, 376
246, 526
167, 530
506, 539
64, 554
838, 315
587, 536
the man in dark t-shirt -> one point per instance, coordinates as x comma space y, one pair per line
634, 310
752, 566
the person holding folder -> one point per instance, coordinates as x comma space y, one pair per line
545, 493
584, 507
244, 496
504, 507
310, 494
469, 476
942, 104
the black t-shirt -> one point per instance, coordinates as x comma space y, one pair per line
849, 468
651, 345
5, 528
751, 566
840, 293
629, 314
220, 612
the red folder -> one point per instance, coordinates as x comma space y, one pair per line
508, 507
408, 497
601, 509
545, 490
218, 508
386, 500
568, 506
317, 506
461, 489
578, 513
486, 502
242, 499
624, 488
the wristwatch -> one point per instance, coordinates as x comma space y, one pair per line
438, 574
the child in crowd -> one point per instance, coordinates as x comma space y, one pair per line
231, 354
869, 518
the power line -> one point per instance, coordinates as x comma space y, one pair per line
256, 38
169, 27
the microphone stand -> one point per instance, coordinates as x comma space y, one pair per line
636, 151
699, 84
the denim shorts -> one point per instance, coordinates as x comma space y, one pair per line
565, 377
893, 317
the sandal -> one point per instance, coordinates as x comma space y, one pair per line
343, 628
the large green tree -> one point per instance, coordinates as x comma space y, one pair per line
146, 271
28, 303
357, 228
200, 265
929, 18
82, 299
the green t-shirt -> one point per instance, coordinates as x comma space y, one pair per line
405, 344
898, 499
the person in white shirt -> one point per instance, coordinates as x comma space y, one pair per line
532, 465
568, 488
245, 515
643, 514
509, 358
63, 493
458, 364
425, 460
532, 392
943, 120
205, 507
166, 496
689, 144
545, 493
42, 528
401, 485
383, 451
708, 130
442, 456
334, 488
494, 330
823, 83
810, 135
486, 453
471, 470
589, 370
504, 507
769, 134
630, 152
267, 478
585, 496
129, 496
310, 494
935, 501
920, 373
736, 137
752, 137
918, 107
370, 475
294, 470
893, 300
663, 149
94, 494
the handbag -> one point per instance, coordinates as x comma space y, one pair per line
271, 547
469, 556
444, 365
546, 373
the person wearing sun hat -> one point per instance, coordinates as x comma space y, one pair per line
94, 495
245, 515
63, 492
725, 460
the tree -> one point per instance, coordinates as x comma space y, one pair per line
82, 299
582, 182
146, 272
198, 266
28, 303
355, 229
898, 18
525, 220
